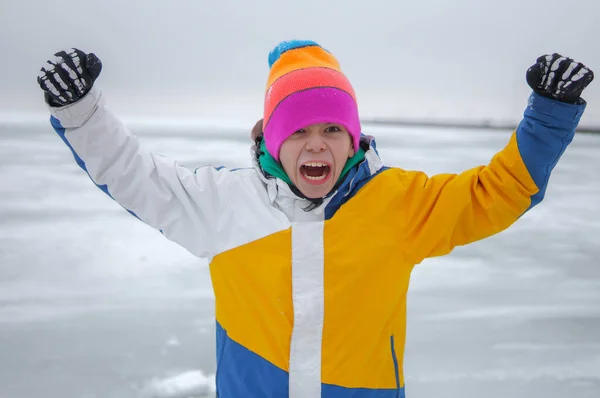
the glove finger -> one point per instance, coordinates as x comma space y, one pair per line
545, 61
574, 91
578, 82
93, 65
534, 76
61, 76
86, 78
49, 89
582, 73
68, 60
51, 86
589, 78
541, 59
79, 56
75, 82
77, 73
564, 65
571, 70
553, 75
549, 60
586, 79
565, 85
41, 79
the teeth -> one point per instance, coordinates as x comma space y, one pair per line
314, 164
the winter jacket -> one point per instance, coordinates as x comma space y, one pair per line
312, 302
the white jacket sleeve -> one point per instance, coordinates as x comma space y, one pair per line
182, 204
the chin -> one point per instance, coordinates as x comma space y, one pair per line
315, 192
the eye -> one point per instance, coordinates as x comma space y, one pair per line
300, 131
333, 129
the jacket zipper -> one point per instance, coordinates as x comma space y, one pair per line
396, 370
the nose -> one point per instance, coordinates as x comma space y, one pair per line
315, 143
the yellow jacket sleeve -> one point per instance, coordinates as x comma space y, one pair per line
448, 210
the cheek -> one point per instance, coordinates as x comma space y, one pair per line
287, 159
345, 145
288, 167
343, 151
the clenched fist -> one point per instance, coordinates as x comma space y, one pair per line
559, 78
69, 77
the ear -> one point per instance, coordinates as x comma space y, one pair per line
257, 130
351, 150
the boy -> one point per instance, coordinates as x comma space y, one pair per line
311, 249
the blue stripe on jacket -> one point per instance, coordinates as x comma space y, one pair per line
243, 373
547, 128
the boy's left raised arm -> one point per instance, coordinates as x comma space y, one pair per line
450, 210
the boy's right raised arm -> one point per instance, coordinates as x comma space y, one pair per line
180, 203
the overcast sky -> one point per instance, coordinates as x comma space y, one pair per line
427, 58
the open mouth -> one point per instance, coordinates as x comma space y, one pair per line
315, 172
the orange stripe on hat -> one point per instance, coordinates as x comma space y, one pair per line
303, 79
301, 58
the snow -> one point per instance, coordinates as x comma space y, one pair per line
183, 384
93, 303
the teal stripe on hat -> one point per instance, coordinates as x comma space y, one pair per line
288, 45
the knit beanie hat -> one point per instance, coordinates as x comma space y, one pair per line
306, 86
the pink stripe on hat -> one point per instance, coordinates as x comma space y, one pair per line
303, 79
303, 108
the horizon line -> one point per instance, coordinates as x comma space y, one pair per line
35, 118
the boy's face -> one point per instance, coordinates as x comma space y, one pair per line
314, 157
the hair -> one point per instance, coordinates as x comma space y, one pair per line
257, 136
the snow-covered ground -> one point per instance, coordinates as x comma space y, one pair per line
93, 303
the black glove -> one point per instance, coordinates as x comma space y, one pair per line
69, 77
560, 78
